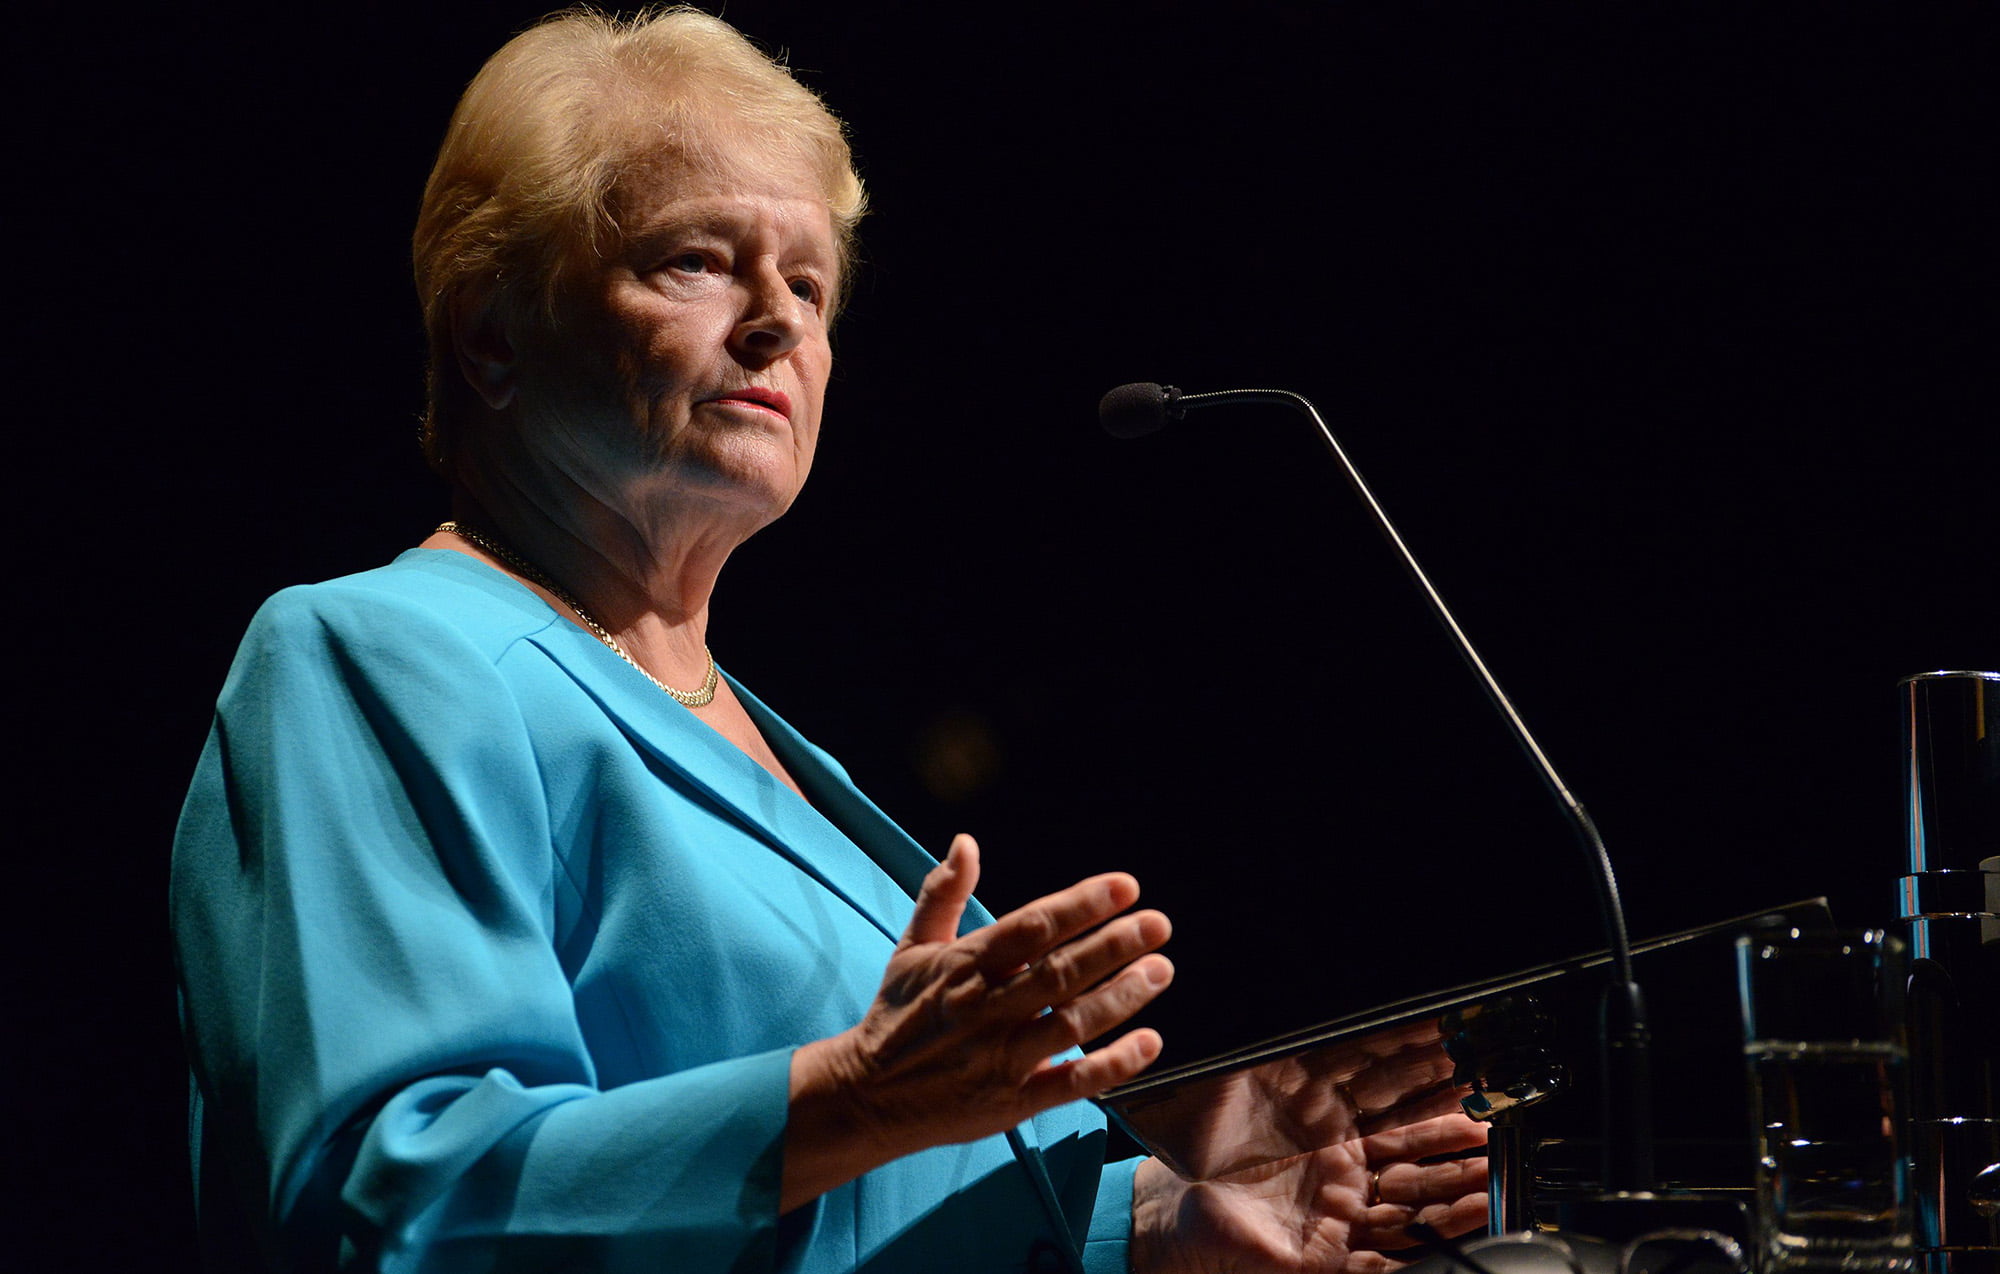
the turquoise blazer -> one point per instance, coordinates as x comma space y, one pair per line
493, 957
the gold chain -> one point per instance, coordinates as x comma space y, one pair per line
691, 698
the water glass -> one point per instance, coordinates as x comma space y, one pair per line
1823, 1039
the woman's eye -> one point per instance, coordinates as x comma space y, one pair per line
806, 290
688, 262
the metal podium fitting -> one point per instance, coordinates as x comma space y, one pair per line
1949, 904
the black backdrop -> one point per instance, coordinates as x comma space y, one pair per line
1666, 331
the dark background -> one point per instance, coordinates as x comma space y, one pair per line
1666, 332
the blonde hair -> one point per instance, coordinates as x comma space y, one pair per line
525, 184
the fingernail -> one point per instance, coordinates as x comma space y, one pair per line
1159, 972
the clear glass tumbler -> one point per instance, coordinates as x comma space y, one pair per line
1823, 1039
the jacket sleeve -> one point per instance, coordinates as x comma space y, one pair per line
387, 1056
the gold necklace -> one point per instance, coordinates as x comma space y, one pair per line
691, 698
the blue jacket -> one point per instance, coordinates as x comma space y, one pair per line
493, 957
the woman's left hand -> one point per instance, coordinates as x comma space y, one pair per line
1346, 1209
963, 1038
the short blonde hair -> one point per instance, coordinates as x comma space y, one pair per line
526, 181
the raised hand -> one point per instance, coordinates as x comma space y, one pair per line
959, 1041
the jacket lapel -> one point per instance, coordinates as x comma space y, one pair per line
744, 791
842, 839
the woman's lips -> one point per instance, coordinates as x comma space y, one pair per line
756, 396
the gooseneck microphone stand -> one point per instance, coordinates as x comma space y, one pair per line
1132, 411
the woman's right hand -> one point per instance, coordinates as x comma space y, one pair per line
958, 1042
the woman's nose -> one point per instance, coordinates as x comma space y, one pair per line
774, 317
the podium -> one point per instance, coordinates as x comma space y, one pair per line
1518, 1052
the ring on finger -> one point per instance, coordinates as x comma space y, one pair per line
1374, 1187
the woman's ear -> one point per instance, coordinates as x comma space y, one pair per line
486, 354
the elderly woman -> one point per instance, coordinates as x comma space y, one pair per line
512, 935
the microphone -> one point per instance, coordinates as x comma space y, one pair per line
1138, 409
1133, 411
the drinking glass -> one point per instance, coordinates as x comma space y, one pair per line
1823, 1039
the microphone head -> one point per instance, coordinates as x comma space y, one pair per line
1135, 410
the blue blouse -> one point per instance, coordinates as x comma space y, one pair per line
493, 957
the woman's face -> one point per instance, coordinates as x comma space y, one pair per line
691, 363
